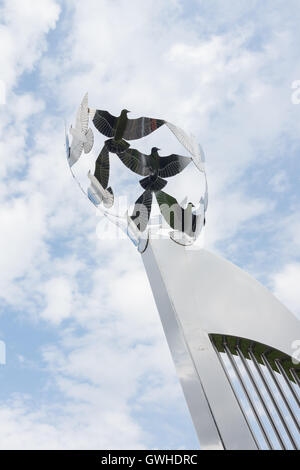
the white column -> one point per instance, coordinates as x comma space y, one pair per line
198, 293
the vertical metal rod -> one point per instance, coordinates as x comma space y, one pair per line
287, 380
238, 374
262, 377
254, 384
281, 393
235, 394
294, 374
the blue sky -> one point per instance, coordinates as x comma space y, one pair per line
87, 361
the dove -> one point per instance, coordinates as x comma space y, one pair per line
98, 191
120, 128
186, 220
153, 166
83, 137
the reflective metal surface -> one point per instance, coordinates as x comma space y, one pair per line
122, 127
283, 396
202, 295
198, 404
275, 412
184, 223
173, 275
287, 381
261, 401
83, 137
250, 400
230, 339
278, 409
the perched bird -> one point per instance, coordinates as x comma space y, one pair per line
83, 137
185, 220
121, 128
153, 166
98, 191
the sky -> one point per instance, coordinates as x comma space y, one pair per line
87, 364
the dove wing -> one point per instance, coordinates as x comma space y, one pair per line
137, 128
153, 184
170, 209
172, 165
135, 161
190, 143
177, 217
78, 120
95, 190
105, 122
142, 210
84, 113
102, 167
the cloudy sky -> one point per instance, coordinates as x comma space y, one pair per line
87, 363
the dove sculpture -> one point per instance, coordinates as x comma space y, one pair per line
98, 192
191, 145
120, 128
153, 166
83, 137
185, 220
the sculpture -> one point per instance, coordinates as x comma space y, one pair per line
186, 221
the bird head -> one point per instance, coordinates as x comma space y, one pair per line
125, 111
154, 149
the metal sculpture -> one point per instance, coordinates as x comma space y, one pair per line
121, 127
225, 331
83, 137
155, 168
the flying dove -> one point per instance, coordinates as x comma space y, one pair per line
98, 191
185, 220
153, 166
121, 128
83, 137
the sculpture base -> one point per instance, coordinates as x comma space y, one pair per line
198, 294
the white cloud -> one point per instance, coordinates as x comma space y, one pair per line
22, 35
159, 63
279, 182
21, 239
43, 429
58, 297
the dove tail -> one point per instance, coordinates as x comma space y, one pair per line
155, 184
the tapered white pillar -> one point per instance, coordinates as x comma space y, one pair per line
197, 294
